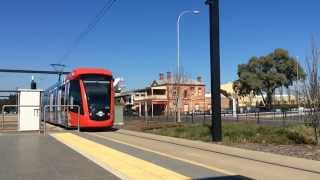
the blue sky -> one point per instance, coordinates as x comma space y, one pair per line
137, 39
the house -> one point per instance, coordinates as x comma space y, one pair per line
160, 98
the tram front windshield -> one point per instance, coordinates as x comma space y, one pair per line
98, 96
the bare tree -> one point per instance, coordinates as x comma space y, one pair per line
180, 80
311, 88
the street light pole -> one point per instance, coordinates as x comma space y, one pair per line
216, 127
178, 59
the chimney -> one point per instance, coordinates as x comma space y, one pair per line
199, 79
161, 76
169, 76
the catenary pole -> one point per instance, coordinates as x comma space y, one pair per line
216, 127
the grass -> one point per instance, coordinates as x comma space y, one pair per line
242, 133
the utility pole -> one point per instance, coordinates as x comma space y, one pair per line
216, 127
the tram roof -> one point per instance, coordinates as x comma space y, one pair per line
81, 71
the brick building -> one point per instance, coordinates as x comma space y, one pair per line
160, 98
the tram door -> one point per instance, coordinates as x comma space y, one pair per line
51, 110
63, 112
59, 107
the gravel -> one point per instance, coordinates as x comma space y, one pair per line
300, 151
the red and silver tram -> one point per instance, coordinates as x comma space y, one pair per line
89, 88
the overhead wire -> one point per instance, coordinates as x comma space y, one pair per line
90, 27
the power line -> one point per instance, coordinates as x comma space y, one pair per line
90, 27
24, 71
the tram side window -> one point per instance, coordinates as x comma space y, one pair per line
51, 101
75, 95
67, 94
63, 95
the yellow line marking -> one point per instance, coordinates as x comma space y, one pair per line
123, 165
168, 155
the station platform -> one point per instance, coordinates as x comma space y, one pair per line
132, 155
33, 156
70, 156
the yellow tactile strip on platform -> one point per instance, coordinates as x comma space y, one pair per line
123, 165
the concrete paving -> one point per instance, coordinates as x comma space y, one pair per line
134, 155
227, 160
134, 163
187, 169
34, 156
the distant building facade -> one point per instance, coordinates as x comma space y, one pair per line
257, 100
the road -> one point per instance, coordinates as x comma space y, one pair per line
126, 154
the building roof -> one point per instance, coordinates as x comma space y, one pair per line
163, 82
185, 82
130, 92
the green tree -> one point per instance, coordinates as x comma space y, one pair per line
263, 75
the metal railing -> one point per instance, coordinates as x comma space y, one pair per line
72, 106
274, 119
18, 106
38, 108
